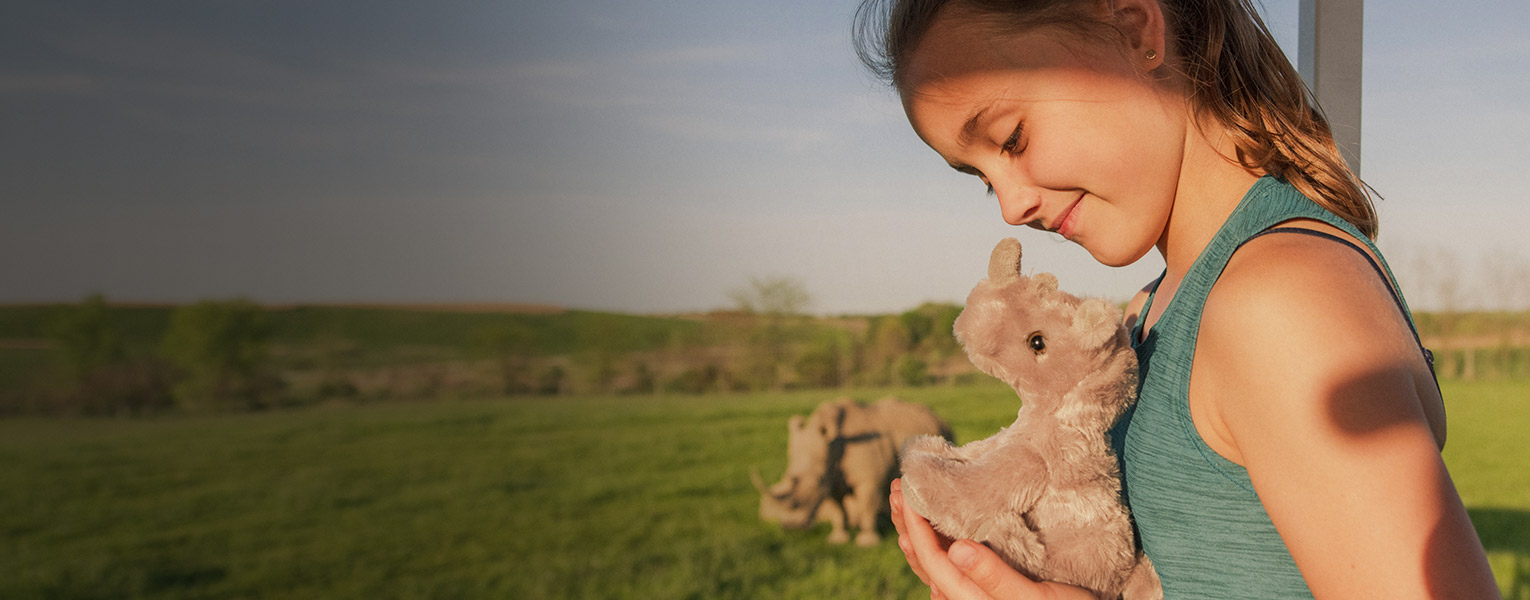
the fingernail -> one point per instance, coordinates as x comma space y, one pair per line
962, 554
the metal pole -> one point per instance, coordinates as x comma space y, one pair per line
1329, 59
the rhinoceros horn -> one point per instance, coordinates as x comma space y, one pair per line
1004, 263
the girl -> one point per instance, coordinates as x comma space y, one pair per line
1287, 433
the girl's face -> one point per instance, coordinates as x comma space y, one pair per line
1071, 135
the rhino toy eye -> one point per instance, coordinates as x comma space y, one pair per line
1037, 343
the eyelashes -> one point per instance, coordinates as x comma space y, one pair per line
1014, 138
1009, 147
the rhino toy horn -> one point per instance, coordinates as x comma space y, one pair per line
1004, 263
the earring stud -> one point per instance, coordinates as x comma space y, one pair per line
1152, 54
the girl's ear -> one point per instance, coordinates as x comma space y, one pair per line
1141, 23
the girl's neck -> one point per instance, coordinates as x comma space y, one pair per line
1211, 185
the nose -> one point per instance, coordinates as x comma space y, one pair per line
1019, 206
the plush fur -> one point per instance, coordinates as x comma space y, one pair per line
1044, 492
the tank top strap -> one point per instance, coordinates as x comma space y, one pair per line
1268, 203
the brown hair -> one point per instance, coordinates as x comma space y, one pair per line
1235, 72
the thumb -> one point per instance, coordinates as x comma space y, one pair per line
989, 573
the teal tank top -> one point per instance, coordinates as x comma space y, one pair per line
1197, 514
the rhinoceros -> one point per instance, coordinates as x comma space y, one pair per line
841, 460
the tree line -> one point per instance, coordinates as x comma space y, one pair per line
766, 342
235, 355
211, 357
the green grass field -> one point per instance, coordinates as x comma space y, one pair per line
569, 497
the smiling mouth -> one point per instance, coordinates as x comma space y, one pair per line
1069, 219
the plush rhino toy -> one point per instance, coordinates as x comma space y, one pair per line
1044, 492
841, 460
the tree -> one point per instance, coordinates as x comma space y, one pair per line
107, 379
1506, 276
911, 371
89, 339
772, 296
773, 301
919, 325
942, 338
220, 349
821, 364
889, 339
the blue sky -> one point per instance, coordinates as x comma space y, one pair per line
642, 157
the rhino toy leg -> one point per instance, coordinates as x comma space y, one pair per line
926, 461
959, 492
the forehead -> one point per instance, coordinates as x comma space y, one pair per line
962, 65
960, 51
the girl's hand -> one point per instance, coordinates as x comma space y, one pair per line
963, 569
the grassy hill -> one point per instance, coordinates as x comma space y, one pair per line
454, 330
347, 339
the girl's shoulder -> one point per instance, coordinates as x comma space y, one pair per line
1291, 295
1304, 327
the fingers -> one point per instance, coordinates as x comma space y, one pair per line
927, 549
963, 570
986, 575
904, 543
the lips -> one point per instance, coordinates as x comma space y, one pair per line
1069, 220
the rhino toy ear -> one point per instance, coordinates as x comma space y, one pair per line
1004, 263
1044, 284
1096, 322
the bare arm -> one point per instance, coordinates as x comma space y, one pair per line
1307, 376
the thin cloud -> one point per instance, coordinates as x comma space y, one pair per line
697, 128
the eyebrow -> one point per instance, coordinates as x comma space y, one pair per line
966, 169
969, 130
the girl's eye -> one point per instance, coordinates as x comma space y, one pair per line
1014, 139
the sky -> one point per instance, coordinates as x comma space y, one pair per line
614, 155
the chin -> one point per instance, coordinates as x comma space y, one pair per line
1116, 257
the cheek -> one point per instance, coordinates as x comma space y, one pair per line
1095, 148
